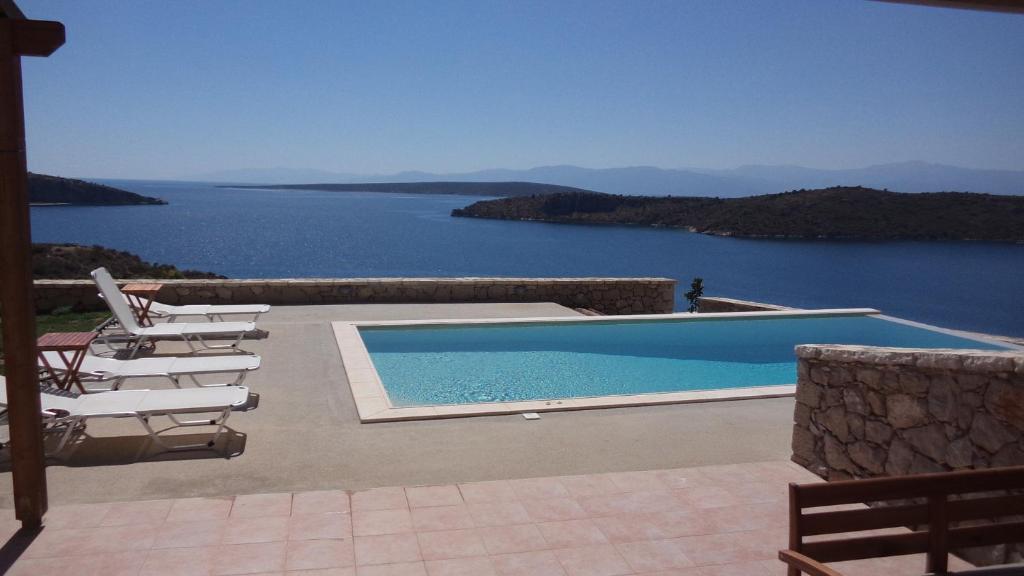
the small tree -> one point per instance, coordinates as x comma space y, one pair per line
693, 296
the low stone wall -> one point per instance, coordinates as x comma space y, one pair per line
719, 304
863, 412
604, 295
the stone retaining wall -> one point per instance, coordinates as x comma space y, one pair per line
863, 412
605, 295
719, 304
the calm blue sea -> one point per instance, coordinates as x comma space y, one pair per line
274, 234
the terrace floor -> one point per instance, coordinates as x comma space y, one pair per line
305, 434
727, 520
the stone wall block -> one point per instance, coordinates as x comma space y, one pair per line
914, 383
1006, 402
905, 411
871, 458
960, 453
834, 420
854, 401
928, 440
877, 403
878, 432
989, 434
836, 456
942, 398
901, 455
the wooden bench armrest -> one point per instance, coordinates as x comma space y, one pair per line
806, 564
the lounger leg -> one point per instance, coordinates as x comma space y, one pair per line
72, 425
138, 346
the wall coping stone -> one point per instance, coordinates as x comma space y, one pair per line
979, 361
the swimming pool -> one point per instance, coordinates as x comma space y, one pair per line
485, 362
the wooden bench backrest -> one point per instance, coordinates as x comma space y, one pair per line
975, 502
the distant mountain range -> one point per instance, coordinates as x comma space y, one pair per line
652, 181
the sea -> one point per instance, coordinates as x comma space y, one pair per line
250, 233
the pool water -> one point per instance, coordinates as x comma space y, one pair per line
470, 364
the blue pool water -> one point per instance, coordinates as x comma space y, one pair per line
468, 364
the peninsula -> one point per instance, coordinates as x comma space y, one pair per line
73, 261
503, 189
853, 213
53, 190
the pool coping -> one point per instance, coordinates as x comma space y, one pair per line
374, 405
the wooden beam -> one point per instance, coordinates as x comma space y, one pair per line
1010, 6
37, 37
28, 465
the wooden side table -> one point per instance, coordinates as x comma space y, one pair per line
140, 297
64, 343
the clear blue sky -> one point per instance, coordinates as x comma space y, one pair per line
157, 89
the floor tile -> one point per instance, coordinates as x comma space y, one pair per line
643, 481
118, 564
552, 509
539, 563
258, 505
189, 534
571, 533
628, 503
379, 499
179, 561
441, 518
478, 566
509, 539
75, 516
446, 544
143, 512
199, 509
653, 555
588, 485
603, 560
387, 549
259, 529
492, 491
346, 571
498, 513
701, 497
629, 528
398, 569
376, 522
539, 488
320, 502
675, 523
317, 554
248, 558
423, 496
320, 526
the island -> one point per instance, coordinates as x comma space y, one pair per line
73, 261
46, 190
501, 189
830, 213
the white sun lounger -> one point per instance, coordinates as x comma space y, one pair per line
113, 372
212, 312
69, 409
193, 334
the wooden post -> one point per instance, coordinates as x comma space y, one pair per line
20, 37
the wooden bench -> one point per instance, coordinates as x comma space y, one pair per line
928, 504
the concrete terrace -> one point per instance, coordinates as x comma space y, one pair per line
305, 434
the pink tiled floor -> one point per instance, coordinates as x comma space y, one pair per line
711, 521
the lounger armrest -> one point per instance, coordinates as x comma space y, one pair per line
806, 564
